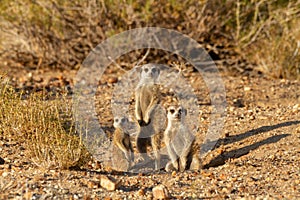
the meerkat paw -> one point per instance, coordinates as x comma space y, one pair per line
157, 165
147, 120
182, 168
170, 167
129, 157
139, 159
142, 158
196, 164
182, 164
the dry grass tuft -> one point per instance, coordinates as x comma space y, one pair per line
45, 127
272, 37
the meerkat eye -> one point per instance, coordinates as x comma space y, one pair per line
123, 120
117, 120
146, 70
153, 70
172, 111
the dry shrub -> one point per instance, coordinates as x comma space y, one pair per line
61, 33
276, 47
44, 126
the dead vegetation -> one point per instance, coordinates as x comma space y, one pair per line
44, 126
240, 34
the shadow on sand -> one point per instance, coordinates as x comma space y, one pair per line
222, 158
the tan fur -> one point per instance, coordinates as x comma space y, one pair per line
121, 139
180, 142
147, 98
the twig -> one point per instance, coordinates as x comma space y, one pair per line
144, 57
114, 62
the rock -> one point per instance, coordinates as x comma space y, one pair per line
109, 183
246, 89
174, 173
28, 195
92, 184
298, 130
5, 174
160, 192
112, 80
141, 192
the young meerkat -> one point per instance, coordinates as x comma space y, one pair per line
147, 99
180, 142
121, 138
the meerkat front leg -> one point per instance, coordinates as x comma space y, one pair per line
184, 157
153, 103
138, 109
173, 156
170, 167
120, 144
130, 155
155, 143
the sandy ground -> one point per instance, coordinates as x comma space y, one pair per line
256, 157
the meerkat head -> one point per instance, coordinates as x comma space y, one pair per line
121, 122
176, 113
150, 72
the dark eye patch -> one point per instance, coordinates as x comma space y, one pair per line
172, 111
117, 120
154, 70
123, 120
146, 70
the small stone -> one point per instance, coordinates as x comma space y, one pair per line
246, 89
5, 174
225, 190
92, 184
28, 195
223, 177
174, 173
109, 183
112, 80
298, 130
160, 192
141, 192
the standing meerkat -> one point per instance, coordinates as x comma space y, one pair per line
180, 142
147, 98
121, 138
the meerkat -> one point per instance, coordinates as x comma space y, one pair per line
180, 142
147, 99
121, 138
